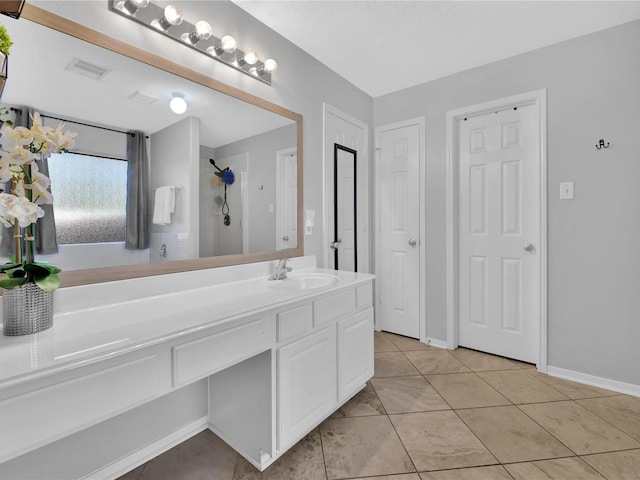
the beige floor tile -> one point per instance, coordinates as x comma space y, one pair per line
383, 343
440, 440
622, 411
480, 362
404, 476
573, 390
578, 428
133, 474
393, 364
616, 465
494, 472
511, 436
408, 394
303, 460
406, 344
520, 386
366, 402
361, 447
559, 469
203, 456
466, 390
436, 360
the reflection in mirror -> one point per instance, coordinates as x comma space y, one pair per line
192, 213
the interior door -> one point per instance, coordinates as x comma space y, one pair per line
345, 240
498, 233
286, 203
399, 201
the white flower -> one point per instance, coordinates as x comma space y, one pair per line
20, 209
17, 155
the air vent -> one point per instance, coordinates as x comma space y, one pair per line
144, 98
86, 69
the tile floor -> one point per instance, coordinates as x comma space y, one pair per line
432, 414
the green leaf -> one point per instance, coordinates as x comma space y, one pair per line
50, 268
37, 270
16, 273
9, 283
48, 283
9, 266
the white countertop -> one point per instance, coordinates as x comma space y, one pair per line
83, 334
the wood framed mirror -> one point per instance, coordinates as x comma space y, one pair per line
259, 242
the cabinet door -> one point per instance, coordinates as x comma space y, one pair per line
355, 353
306, 385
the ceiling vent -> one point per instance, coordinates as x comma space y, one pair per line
86, 69
143, 98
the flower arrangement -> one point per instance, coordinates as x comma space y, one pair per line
20, 208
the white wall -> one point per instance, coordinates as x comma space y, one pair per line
594, 274
175, 156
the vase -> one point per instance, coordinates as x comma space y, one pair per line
26, 309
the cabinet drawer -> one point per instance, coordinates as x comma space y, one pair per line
335, 306
364, 296
42, 416
200, 358
294, 321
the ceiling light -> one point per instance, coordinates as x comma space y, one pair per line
172, 15
178, 104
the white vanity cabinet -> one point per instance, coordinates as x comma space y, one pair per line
277, 365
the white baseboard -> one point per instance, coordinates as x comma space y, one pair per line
434, 342
601, 382
143, 455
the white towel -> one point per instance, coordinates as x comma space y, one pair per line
165, 205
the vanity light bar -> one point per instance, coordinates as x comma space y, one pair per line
197, 37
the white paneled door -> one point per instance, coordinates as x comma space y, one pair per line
498, 233
399, 206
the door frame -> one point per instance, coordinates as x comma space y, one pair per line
281, 156
364, 212
538, 98
337, 147
422, 229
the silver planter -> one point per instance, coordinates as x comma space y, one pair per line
26, 309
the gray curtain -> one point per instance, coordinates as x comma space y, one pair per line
45, 229
138, 203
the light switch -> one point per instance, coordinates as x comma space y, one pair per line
566, 190
270, 207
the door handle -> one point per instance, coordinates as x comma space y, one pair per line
528, 247
413, 242
285, 238
335, 244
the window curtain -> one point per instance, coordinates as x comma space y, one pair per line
138, 233
45, 230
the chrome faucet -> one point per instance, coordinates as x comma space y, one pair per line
281, 270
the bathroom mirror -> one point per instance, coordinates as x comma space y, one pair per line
259, 141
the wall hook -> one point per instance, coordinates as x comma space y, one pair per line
601, 144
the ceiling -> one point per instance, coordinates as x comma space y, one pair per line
385, 46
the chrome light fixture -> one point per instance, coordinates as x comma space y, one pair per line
11, 8
170, 22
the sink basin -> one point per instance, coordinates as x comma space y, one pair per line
303, 281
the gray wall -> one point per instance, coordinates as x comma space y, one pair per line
262, 171
594, 264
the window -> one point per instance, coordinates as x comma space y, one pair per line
89, 198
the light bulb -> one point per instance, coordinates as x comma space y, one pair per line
228, 44
250, 57
178, 104
172, 16
202, 32
132, 6
270, 65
